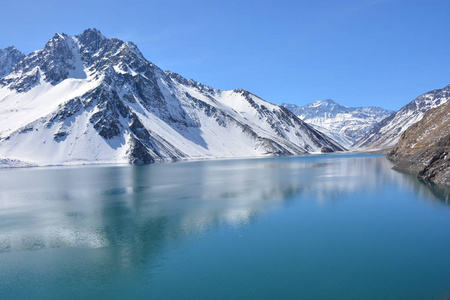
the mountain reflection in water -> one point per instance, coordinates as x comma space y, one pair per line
97, 206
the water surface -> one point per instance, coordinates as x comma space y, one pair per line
313, 227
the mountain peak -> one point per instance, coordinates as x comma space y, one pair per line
9, 57
92, 32
66, 56
58, 39
324, 103
92, 38
9, 48
61, 35
100, 100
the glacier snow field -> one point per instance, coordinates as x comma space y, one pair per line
335, 226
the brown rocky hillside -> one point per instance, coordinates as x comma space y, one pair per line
424, 148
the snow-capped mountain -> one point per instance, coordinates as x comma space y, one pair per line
385, 134
9, 57
344, 124
87, 98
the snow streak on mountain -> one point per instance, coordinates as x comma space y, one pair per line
90, 99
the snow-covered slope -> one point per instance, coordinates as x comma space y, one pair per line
386, 133
90, 99
345, 124
9, 57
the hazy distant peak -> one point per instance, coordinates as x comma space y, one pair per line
92, 32
7, 49
349, 122
324, 102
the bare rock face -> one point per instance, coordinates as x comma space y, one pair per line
424, 148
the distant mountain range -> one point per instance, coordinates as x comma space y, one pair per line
91, 99
345, 124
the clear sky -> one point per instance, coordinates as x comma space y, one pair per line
358, 53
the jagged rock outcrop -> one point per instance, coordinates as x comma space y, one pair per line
90, 99
425, 146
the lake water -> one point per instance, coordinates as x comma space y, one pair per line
315, 227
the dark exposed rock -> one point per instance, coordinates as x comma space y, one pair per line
325, 149
272, 148
138, 153
26, 129
25, 83
107, 126
67, 110
60, 136
110, 109
438, 168
138, 128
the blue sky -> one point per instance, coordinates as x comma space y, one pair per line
358, 53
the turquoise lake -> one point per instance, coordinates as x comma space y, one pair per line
338, 226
